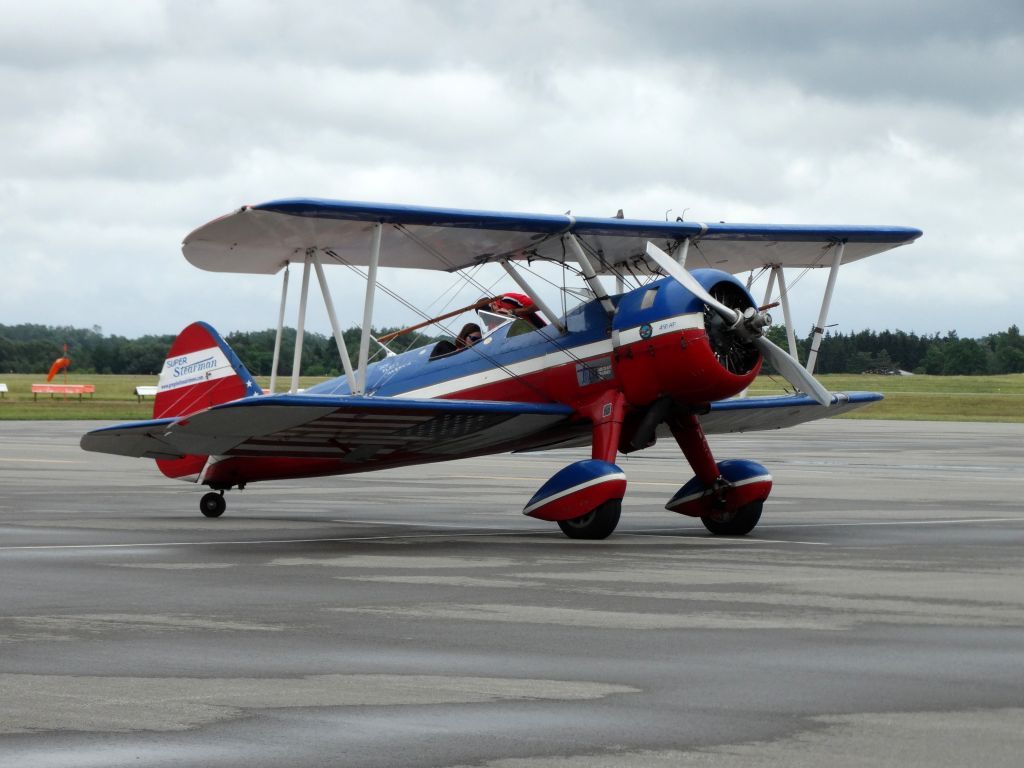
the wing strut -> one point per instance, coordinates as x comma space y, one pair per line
589, 274
826, 300
312, 259
787, 318
301, 325
771, 284
683, 253
339, 338
528, 290
371, 287
280, 330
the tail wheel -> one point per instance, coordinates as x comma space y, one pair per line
596, 524
213, 504
738, 522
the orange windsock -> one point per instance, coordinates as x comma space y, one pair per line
58, 365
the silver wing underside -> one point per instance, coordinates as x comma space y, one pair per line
261, 239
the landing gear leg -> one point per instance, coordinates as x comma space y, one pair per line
727, 496
690, 436
585, 498
213, 504
606, 414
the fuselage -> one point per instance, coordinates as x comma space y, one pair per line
655, 344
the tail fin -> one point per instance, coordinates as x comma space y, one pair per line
200, 371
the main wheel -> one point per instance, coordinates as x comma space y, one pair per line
737, 522
213, 504
598, 523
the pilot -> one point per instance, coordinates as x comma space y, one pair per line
468, 336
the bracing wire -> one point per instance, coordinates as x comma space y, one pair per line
447, 329
470, 279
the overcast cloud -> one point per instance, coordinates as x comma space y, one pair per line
124, 125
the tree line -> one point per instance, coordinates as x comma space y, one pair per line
891, 351
33, 348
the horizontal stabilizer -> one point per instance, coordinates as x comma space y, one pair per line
141, 439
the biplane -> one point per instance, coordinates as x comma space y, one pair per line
666, 353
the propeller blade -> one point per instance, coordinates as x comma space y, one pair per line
792, 371
673, 269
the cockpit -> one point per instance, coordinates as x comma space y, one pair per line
513, 311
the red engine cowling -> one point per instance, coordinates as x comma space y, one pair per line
688, 353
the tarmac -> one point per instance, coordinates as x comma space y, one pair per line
414, 617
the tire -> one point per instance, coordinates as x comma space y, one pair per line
596, 524
737, 523
212, 505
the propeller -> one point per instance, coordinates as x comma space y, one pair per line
749, 325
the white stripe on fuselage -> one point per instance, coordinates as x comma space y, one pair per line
687, 322
583, 352
514, 370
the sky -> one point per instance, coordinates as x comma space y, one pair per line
126, 124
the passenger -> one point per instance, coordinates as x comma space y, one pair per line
468, 336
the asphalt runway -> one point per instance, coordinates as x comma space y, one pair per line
415, 618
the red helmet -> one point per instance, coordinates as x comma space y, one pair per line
512, 303
518, 305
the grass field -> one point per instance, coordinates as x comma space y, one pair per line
114, 400
926, 398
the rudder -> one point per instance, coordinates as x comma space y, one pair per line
200, 371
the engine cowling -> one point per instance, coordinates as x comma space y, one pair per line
668, 342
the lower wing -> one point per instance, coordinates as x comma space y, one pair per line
353, 429
374, 430
749, 414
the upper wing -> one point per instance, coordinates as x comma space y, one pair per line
750, 414
263, 238
357, 430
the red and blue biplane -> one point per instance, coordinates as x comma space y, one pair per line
664, 353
